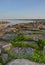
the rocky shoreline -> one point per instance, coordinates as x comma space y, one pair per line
4, 22
32, 33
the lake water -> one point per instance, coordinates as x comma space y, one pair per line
12, 22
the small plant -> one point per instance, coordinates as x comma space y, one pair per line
38, 56
0, 59
0, 63
41, 43
22, 44
22, 37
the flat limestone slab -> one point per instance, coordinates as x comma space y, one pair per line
23, 62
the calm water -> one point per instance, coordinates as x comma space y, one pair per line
12, 22
16, 21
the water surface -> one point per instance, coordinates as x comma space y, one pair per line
15, 21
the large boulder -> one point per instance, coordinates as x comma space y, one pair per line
23, 62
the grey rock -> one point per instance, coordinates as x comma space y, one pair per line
4, 57
9, 36
23, 62
19, 50
44, 50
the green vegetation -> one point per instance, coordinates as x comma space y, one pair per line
22, 37
36, 32
22, 44
0, 63
0, 60
41, 43
18, 42
37, 56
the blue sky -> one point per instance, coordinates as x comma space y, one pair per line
22, 9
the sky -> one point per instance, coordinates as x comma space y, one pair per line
16, 9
